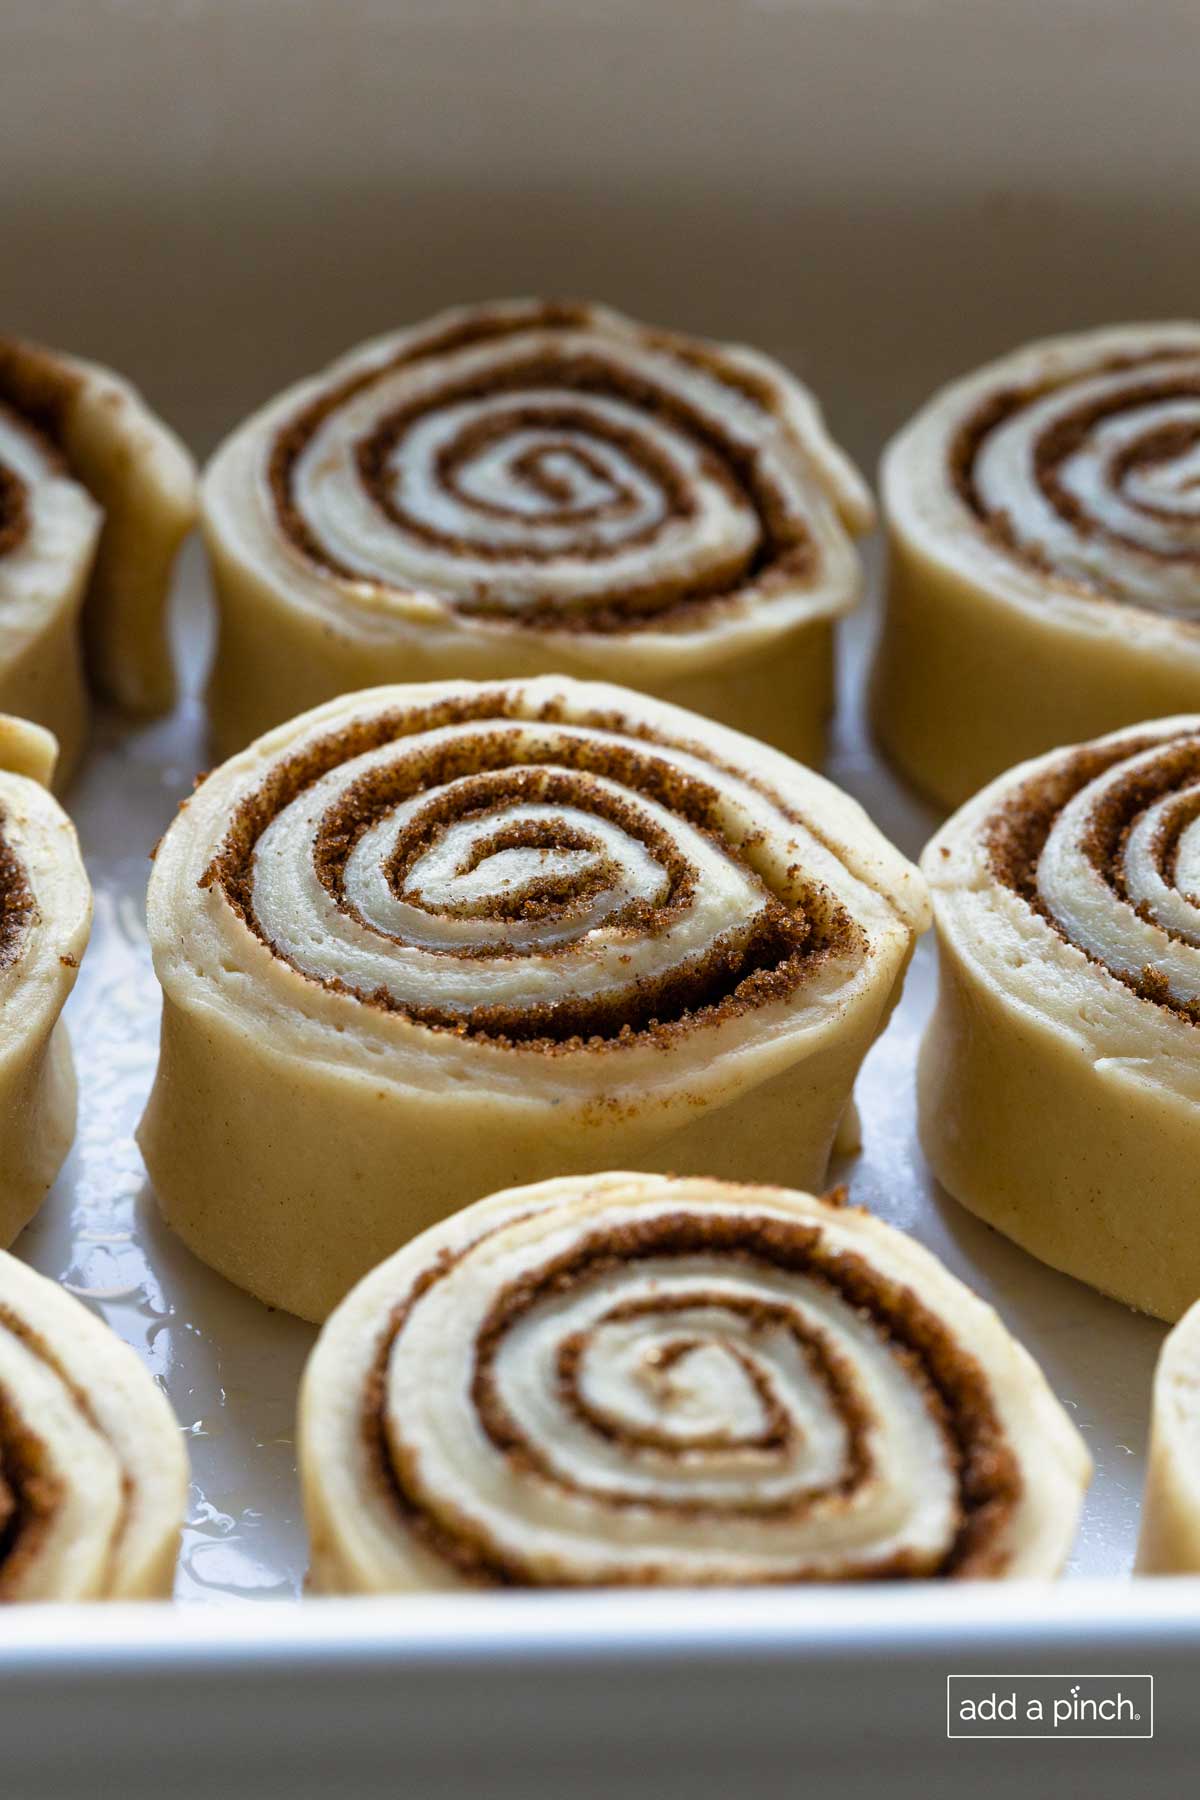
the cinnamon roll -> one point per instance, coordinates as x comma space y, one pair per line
45, 917
1060, 1076
93, 1475
95, 497
636, 1379
526, 488
1044, 576
424, 939
1169, 1540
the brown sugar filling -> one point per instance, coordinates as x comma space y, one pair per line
785, 555
778, 1432
1166, 444
952, 1385
559, 895
1016, 835
30, 1493
1060, 442
17, 905
776, 949
40, 390
15, 517
539, 469
385, 446
36, 394
30, 1497
31, 404
482, 795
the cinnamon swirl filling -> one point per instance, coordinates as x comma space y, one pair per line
17, 907
525, 878
92, 1471
669, 1382
553, 464
1106, 847
29, 459
1092, 475
32, 1493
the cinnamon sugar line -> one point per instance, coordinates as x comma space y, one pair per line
40, 394
952, 1386
30, 1497
17, 905
33, 403
1064, 438
15, 516
30, 1494
784, 553
33, 400
1017, 832
777, 950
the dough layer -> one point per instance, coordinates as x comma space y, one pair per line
1059, 1082
45, 918
628, 1378
427, 939
93, 1475
528, 488
96, 496
1169, 1539
1043, 520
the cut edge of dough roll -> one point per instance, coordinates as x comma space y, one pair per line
274, 1093
361, 1539
1169, 1537
110, 1492
37, 1076
109, 610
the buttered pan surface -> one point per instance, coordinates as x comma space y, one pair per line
780, 176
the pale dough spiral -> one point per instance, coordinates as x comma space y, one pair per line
1059, 1089
632, 1379
96, 496
45, 917
1044, 575
501, 927
531, 486
1096, 477
93, 1475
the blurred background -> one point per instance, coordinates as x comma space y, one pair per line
882, 191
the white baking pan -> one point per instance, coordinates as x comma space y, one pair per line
216, 197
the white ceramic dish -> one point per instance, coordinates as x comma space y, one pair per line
215, 198
231, 1367
289, 1698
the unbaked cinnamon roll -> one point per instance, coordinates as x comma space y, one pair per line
1060, 1077
425, 939
1044, 575
45, 917
96, 496
93, 1475
526, 488
631, 1379
1169, 1540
